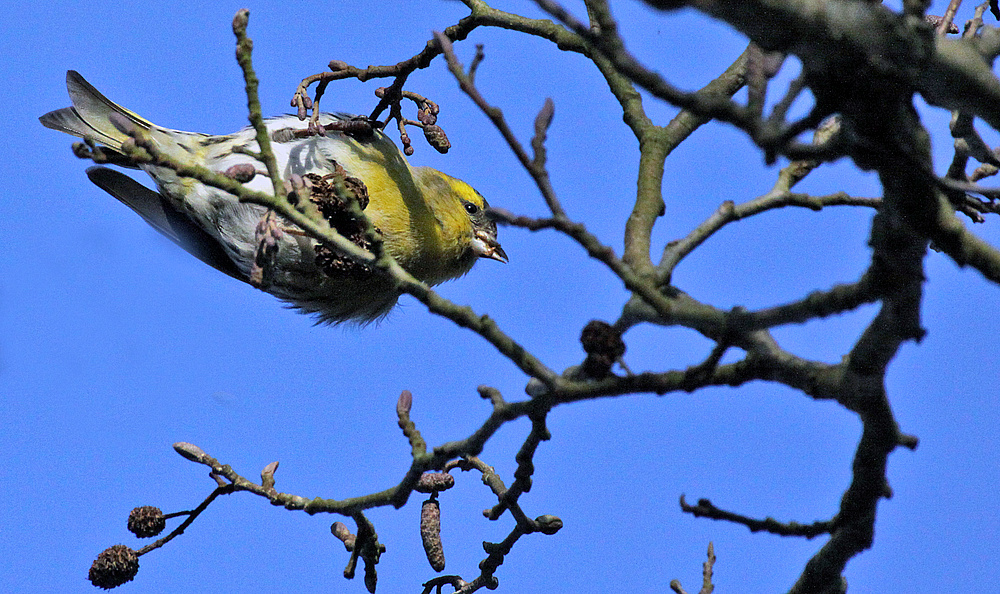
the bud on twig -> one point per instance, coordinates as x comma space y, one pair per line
371, 576
340, 530
241, 20
267, 475
190, 451
243, 173
548, 524
404, 404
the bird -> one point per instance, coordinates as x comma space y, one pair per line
435, 226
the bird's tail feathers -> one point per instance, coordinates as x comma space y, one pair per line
91, 114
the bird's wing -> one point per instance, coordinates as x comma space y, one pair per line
162, 216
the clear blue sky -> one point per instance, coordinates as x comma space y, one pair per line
114, 343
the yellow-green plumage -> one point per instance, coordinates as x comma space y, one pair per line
434, 225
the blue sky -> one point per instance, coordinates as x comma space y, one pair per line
114, 343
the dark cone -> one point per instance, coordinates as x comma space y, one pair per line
114, 567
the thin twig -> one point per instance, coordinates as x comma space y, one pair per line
534, 167
705, 509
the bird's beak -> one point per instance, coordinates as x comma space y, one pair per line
486, 245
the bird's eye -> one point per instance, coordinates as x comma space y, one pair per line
471, 208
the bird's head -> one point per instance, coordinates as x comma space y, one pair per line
484, 230
466, 230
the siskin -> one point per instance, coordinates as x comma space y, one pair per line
433, 225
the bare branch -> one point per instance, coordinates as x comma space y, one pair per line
705, 509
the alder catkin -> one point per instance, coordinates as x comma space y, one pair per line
430, 533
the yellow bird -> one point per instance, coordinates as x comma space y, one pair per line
433, 225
